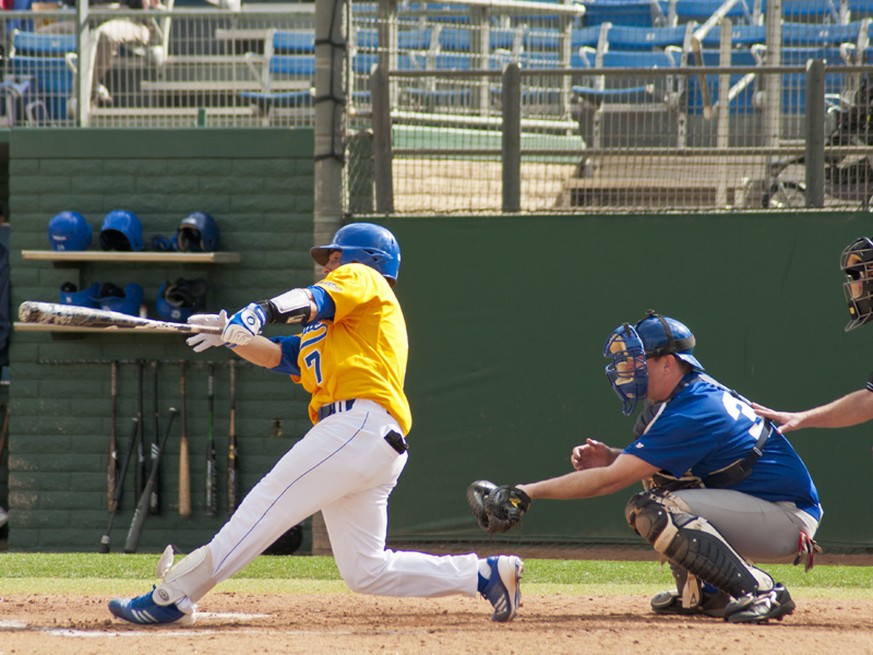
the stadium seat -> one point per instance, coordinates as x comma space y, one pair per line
642, 13
628, 37
44, 68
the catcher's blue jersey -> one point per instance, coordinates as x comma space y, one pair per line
704, 427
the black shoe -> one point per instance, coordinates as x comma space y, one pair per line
670, 602
760, 607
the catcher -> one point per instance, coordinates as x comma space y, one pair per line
722, 487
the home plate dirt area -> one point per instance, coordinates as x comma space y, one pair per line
315, 624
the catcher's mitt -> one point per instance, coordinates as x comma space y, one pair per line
497, 509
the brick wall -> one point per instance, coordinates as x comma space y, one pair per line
258, 185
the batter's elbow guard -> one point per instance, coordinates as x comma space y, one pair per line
293, 306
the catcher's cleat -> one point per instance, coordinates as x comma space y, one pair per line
670, 602
760, 607
504, 586
143, 610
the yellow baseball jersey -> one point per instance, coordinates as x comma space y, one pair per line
362, 352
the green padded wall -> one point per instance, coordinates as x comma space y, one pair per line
508, 317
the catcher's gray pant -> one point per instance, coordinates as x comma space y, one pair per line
345, 468
759, 530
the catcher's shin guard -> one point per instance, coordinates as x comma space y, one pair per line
690, 542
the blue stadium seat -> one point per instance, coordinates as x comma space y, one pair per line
542, 38
741, 35
701, 10
624, 89
45, 63
809, 34
642, 13
407, 39
589, 37
809, 11
293, 42
628, 37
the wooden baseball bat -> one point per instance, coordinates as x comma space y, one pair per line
142, 507
71, 315
112, 469
232, 465
106, 539
184, 463
211, 471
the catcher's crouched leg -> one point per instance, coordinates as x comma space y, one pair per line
689, 542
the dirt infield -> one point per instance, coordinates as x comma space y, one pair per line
553, 624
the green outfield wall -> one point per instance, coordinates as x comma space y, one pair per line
507, 319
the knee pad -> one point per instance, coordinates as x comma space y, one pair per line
191, 578
692, 543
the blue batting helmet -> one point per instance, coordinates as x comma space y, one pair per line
177, 300
71, 295
198, 232
121, 230
69, 231
127, 300
364, 243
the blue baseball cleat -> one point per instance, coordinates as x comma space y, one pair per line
503, 588
143, 610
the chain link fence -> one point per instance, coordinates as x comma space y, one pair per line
620, 104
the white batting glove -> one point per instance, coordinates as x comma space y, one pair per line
245, 325
201, 341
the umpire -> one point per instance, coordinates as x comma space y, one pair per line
856, 407
722, 486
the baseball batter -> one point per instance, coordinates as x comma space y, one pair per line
351, 357
856, 262
722, 486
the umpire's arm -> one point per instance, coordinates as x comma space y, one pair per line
623, 472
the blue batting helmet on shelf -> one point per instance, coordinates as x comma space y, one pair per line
365, 243
69, 231
127, 300
198, 232
71, 295
178, 300
121, 230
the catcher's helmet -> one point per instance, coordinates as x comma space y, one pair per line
857, 263
364, 243
198, 232
628, 347
662, 335
121, 230
178, 300
69, 231
127, 300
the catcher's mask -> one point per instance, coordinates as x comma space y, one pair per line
857, 263
629, 346
627, 372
